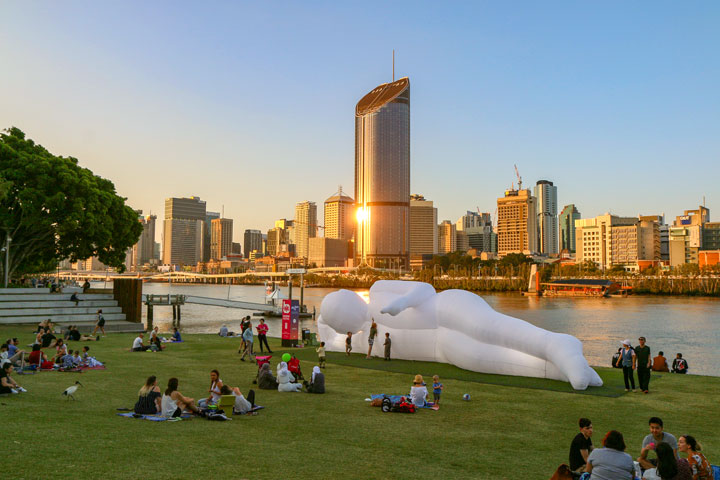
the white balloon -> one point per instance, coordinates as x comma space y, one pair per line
453, 326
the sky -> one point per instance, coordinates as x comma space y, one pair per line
250, 105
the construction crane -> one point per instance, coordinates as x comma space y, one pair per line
517, 173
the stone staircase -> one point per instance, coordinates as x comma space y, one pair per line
33, 305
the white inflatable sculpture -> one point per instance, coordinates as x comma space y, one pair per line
453, 326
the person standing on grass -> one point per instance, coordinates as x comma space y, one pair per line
627, 360
581, 446
262, 330
100, 323
387, 344
437, 389
644, 362
657, 435
371, 337
348, 344
321, 354
248, 339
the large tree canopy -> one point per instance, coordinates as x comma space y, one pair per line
54, 209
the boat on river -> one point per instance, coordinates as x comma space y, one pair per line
581, 287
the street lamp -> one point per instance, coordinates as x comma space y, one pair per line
7, 257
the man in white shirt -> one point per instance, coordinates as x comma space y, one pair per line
138, 344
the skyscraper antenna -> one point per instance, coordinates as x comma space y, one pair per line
393, 64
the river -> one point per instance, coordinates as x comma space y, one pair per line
690, 325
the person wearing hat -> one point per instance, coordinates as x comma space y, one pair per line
644, 362
627, 360
418, 392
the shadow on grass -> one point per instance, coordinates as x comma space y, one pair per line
612, 382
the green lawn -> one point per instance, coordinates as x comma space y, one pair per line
512, 428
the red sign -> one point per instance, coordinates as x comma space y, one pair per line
286, 319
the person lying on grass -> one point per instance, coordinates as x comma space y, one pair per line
174, 403
242, 405
149, 398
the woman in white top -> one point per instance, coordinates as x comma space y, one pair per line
173, 402
215, 387
418, 392
285, 379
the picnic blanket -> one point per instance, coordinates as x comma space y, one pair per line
96, 367
152, 418
397, 398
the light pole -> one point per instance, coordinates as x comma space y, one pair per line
7, 257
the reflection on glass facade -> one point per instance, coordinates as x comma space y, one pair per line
382, 176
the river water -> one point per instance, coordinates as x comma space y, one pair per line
688, 325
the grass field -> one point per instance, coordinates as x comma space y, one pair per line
512, 427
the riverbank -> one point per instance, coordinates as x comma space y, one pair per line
338, 433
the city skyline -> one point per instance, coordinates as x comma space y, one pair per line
619, 111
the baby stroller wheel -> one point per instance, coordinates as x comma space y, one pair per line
386, 405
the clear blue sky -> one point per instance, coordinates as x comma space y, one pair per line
250, 105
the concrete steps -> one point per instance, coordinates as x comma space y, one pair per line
33, 305
69, 310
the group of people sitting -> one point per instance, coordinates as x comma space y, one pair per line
289, 378
72, 333
156, 341
658, 460
172, 404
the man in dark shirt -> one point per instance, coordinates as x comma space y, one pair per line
47, 339
644, 363
581, 446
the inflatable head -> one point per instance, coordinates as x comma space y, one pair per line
344, 311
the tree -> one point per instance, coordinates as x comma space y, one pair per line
54, 209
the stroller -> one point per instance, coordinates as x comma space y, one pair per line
260, 360
401, 406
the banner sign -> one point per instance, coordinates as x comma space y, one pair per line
290, 319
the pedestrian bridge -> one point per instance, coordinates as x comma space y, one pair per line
154, 299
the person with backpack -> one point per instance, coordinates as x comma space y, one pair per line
627, 360
679, 365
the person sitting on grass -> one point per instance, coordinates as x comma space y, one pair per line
223, 331
699, 465
656, 435
611, 462
176, 335
7, 384
214, 390
294, 366
266, 380
679, 365
61, 350
76, 360
155, 343
37, 356
48, 340
17, 360
581, 446
68, 362
174, 403
149, 398
317, 382
659, 363
138, 345
89, 361
668, 466
286, 381
242, 405
418, 392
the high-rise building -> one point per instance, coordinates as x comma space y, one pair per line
608, 240
547, 222
567, 218
144, 250
423, 226
276, 238
447, 239
183, 231
711, 236
479, 230
305, 226
382, 175
221, 238
253, 242
207, 234
686, 236
339, 216
327, 252
517, 223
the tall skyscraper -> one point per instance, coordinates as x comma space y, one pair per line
382, 175
252, 241
447, 239
339, 216
567, 227
305, 226
517, 222
547, 222
608, 240
423, 226
144, 250
276, 238
479, 230
221, 234
207, 234
183, 231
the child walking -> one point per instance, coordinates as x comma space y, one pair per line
387, 345
348, 344
437, 389
321, 354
